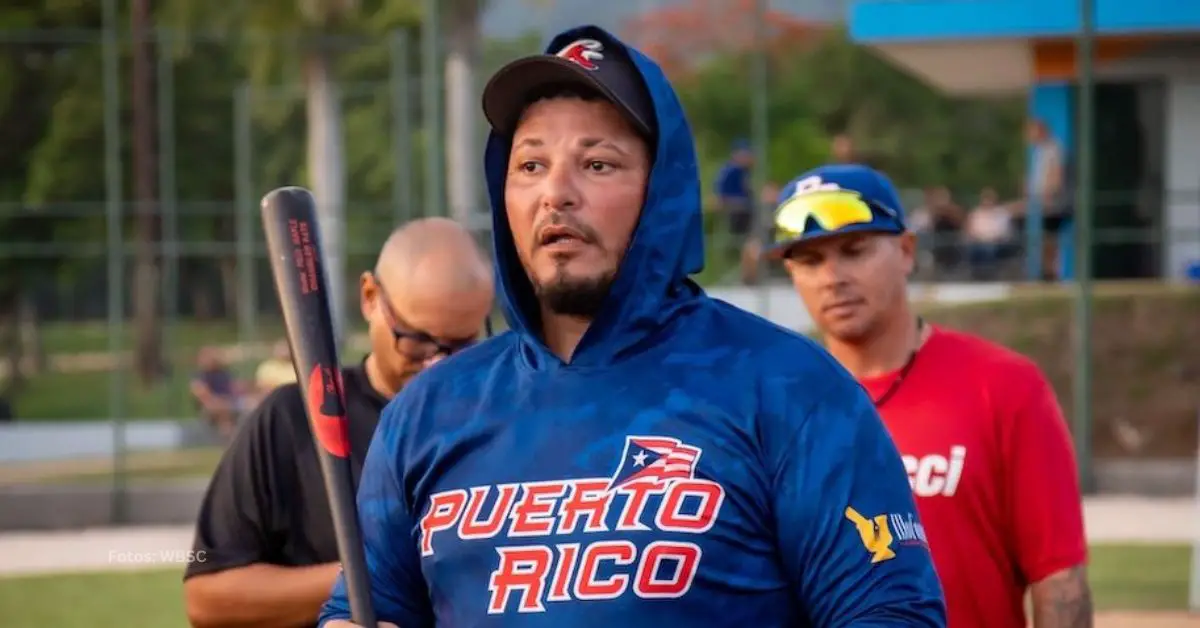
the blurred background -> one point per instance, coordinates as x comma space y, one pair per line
138, 137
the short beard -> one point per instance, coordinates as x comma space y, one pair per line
571, 296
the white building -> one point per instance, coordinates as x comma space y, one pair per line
1147, 115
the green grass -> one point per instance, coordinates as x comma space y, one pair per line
1126, 577
142, 599
72, 393
1140, 577
183, 338
75, 394
190, 464
86, 395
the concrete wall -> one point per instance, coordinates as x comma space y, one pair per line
35, 441
79, 507
70, 507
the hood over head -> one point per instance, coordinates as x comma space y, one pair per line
668, 243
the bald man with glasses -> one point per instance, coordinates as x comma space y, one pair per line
265, 551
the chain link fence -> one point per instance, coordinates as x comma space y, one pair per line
95, 273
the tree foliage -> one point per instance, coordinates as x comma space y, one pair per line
684, 34
52, 179
820, 88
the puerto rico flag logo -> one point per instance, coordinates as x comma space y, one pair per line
655, 458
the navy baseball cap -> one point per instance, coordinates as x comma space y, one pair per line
832, 200
588, 57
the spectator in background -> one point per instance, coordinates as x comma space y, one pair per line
948, 215
6, 410
988, 229
276, 370
842, 149
946, 222
1049, 188
752, 252
735, 199
921, 220
221, 397
920, 224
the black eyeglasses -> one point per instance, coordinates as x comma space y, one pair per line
416, 344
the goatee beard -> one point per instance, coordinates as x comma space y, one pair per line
572, 296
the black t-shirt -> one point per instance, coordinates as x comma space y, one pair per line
266, 501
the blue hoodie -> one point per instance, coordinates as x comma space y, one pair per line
692, 465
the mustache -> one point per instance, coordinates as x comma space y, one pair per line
560, 219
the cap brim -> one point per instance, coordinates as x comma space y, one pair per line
779, 250
506, 94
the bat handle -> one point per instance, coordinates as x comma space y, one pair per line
361, 610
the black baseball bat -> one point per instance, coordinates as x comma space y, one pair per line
289, 216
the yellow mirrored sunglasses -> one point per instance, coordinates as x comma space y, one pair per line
829, 209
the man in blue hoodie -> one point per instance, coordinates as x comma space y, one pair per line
632, 452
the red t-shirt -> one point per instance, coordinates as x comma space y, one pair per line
991, 462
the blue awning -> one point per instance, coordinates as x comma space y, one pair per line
895, 21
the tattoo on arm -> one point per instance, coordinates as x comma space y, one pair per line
1063, 600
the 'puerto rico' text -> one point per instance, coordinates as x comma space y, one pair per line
535, 569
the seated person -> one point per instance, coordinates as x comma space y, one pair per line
221, 397
988, 229
275, 371
752, 250
947, 219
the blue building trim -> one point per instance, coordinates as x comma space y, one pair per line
884, 21
1053, 104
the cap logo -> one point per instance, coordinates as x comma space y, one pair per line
813, 184
583, 53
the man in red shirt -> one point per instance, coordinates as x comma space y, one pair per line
983, 439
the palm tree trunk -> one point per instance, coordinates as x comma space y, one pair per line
327, 171
225, 228
462, 59
33, 352
148, 361
11, 375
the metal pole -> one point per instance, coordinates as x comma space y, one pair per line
1082, 383
244, 186
167, 191
431, 70
404, 200
760, 138
1194, 589
116, 253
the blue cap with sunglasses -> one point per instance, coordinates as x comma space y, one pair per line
832, 200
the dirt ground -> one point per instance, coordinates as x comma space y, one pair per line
1145, 359
1147, 619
